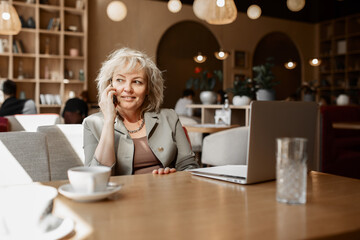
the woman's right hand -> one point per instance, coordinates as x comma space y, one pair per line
106, 104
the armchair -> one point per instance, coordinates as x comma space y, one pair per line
227, 147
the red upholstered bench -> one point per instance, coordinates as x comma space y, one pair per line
340, 148
4, 124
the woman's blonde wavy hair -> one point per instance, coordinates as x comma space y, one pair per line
130, 60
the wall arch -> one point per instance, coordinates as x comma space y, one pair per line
280, 46
174, 56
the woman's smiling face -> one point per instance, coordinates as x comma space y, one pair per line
131, 89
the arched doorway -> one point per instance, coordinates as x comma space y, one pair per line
175, 52
279, 46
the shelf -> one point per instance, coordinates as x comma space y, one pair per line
31, 55
45, 31
49, 56
38, 59
25, 80
49, 106
67, 57
73, 81
339, 48
49, 8
75, 34
74, 10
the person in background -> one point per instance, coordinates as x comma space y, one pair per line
187, 98
131, 134
220, 96
12, 105
76, 109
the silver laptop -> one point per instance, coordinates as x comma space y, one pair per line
268, 120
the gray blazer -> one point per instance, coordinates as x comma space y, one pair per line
165, 135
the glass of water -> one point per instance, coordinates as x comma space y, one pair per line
291, 169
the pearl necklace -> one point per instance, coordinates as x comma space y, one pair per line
138, 129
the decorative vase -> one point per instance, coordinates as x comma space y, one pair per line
241, 100
342, 100
208, 97
265, 95
309, 97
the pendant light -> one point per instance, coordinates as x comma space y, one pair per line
174, 6
9, 20
221, 54
217, 12
254, 11
295, 5
199, 58
116, 11
290, 65
315, 62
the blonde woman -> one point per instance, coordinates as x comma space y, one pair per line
131, 133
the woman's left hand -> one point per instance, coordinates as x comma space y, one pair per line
166, 170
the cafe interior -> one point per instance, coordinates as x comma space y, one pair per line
263, 73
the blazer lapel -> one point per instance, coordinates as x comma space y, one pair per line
151, 119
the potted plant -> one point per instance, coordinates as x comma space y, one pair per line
308, 89
264, 81
241, 91
205, 82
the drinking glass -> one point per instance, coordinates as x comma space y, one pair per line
291, 157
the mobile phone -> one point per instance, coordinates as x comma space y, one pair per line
115, 101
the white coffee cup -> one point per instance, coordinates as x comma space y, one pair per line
24, 208
89, 179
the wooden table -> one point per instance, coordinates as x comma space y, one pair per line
182, 206
208, 128
346, 125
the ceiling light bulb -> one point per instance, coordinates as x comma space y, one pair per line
254, 11
6, 16
116, 11
295, 5
174, 6
220, 3
221, 55
315, 62
290, 65
200, 58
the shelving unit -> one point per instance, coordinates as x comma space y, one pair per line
340, 54
44, 65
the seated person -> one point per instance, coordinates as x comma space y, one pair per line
12, 105
132, 134
187, 98
75, 111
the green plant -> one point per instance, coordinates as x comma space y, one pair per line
205, 81
241, 88
263, 75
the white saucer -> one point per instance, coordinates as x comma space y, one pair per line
68, 191
66, 227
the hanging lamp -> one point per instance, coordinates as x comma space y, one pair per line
221, 54
199, 58
290, 65
174, 6
9, 20
295, 5
116, 11
315, 62
217, 12
254, 11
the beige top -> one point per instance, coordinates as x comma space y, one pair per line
144, 159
